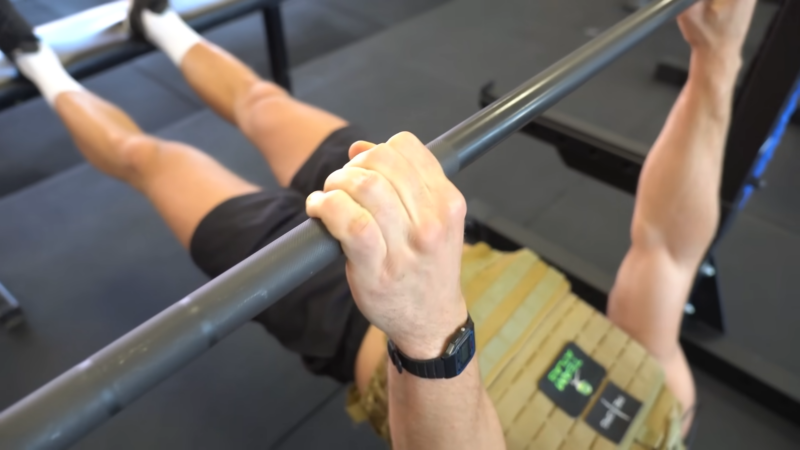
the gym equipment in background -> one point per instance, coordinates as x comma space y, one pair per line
97, 39
765, 101
60, 413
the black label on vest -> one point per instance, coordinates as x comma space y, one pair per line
572, 379
613, 413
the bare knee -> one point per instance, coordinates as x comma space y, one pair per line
261, 106
265, 92
138, 156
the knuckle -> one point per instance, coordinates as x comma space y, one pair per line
333, 180
404, 138
366, 181
380, 155
326, 202
359, 228
429, 234
456, 206
334, 200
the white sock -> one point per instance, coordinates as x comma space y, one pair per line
44, 69
170, 33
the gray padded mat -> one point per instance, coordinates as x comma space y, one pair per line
34, 143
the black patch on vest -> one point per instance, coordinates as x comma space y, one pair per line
572, 380
613, 413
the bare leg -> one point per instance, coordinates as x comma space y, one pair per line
183, 183
285, 130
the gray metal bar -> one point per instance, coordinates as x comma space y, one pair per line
475, 136
70, 406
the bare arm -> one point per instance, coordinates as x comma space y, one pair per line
677, 203
401, 225
442, 414
677, 208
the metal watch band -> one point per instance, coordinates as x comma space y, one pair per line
457, 356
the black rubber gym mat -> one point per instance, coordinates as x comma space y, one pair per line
328, 427
385, 12
67, 7
36, 12
35, 145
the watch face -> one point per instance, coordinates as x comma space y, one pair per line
465, 351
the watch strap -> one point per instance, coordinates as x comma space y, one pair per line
450, 365
430, 368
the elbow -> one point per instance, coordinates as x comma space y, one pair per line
686, 238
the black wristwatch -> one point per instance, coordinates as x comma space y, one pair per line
457, 355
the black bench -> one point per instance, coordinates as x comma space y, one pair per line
97, 39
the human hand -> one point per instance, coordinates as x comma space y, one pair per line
400, 222
717, 27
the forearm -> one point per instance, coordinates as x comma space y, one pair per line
442, 414
677, 202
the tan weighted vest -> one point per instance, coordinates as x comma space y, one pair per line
525, 315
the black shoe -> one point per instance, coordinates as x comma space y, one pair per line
16, 35
135, 15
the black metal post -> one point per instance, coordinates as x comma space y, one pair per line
276, 43
61, 412
705, 302
10, 314
764, 106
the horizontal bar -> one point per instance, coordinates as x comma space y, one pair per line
494, 123
61, 412
606, 156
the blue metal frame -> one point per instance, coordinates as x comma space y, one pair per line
768, 149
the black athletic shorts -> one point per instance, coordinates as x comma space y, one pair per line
319, 320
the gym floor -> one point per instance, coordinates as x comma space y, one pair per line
90, 260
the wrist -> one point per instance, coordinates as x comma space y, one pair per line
721, 65
714, 74
430, 339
